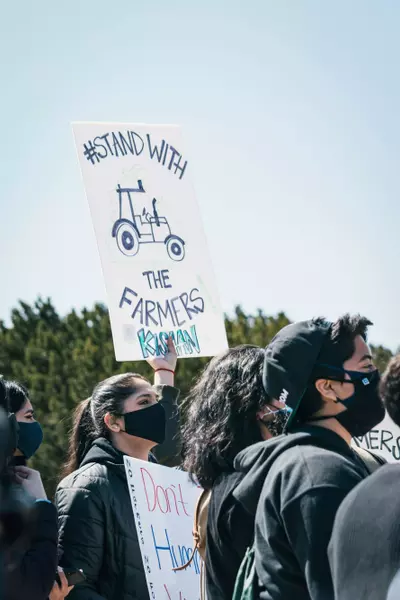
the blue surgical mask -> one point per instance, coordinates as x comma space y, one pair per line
30, 436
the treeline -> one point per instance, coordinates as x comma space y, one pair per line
60, 360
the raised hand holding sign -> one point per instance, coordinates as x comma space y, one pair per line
164, 366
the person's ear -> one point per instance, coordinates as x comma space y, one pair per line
324, 387
112, 422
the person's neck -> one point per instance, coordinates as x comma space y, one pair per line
133, 447
334, 425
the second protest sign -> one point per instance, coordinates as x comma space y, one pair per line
163, 503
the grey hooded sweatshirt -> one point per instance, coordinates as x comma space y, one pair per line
294, 484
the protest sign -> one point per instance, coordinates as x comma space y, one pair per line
163, 504
152, 246
384, 439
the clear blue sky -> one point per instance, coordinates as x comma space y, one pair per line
291, 118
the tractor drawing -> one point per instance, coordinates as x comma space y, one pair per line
133, 229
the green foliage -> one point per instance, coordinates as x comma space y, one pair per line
60, 360
382, 356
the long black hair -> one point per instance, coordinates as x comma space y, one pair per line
221, 410
88, 425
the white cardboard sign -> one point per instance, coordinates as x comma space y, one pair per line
384, 439
163, 504
152, 246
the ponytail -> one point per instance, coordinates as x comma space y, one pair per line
81, 438
108, 397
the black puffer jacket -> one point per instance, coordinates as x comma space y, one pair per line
97, 530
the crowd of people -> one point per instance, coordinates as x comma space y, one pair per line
268, 435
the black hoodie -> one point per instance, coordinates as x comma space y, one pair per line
294, 484
230, 531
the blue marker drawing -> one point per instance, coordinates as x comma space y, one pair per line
133, 229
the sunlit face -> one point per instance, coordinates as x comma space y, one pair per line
360, 361
332, 391
26, 413
144, 397
362, 358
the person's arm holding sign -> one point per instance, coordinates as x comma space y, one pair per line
164, 375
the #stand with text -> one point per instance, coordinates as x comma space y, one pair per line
152, 246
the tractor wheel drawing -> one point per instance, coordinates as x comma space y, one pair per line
175, 249
127, 239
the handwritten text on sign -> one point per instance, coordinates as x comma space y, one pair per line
163, 503
384, 439
151, 242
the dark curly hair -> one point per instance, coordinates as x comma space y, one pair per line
220, 413
390, 389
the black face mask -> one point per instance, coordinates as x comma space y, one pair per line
147, 423
364, 409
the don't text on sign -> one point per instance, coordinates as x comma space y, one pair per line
163, 504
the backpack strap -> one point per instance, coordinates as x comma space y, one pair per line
378, 458
200, 522
371, 461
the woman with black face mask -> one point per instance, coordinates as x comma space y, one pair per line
125, 415
31, 561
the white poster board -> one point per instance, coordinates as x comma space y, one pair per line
163, 504
384, 439
154, 255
